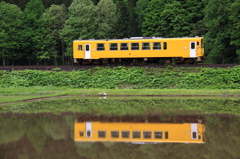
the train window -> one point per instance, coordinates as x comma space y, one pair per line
113, 46
115, 134
158, 134
125, 134
87, 47
166, 134
79, 47
101, 134
194, 135
157, 46
136, 134
147, 134
124, 46
100, 47
193, 45
81, 133
88, 133
135, 46
145, 46
165, 45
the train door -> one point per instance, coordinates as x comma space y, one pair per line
194, 131
88, 129
87, 51
193, 50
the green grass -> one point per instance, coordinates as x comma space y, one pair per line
23, 93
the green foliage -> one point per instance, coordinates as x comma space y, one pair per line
141, 5
234, 18
171, 19
106, 20
219, 27
80, 23
122, 77
54, 18
122, 22
10, 31
169, 67
33, 28
57, 69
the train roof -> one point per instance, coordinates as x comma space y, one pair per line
140, 38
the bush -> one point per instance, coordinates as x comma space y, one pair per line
122, 77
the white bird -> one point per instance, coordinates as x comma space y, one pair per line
102, 94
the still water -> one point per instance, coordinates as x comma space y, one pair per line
89, 136
64, 136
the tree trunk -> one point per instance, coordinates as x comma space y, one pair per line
55, 60
12, 62
222, 58
3, 58
63, 62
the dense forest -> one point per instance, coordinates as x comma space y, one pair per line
36, 32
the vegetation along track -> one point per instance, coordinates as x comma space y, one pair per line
70, 68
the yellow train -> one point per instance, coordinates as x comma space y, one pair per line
138, 50
139, 132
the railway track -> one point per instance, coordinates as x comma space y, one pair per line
70, 68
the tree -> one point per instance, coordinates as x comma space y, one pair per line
235, 19
10, 28
106, 20
219, 28
22, 4
54, 19
195, 15
165, 20
80, 23
122, 22
33, 28
141, 5
132, 28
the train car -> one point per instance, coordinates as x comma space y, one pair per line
137, 50
139, 132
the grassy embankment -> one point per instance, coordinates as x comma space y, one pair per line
28, 84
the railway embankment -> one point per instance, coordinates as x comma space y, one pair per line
123, 77
120, 81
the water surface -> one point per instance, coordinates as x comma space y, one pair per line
44, 135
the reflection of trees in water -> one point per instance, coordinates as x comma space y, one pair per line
57, 128
84, 145
38, 138
10, 130
36, 135
223, 136
36, 128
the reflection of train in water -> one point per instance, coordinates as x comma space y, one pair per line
139, 132
137, 50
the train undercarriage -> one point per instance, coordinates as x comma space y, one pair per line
137, 61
